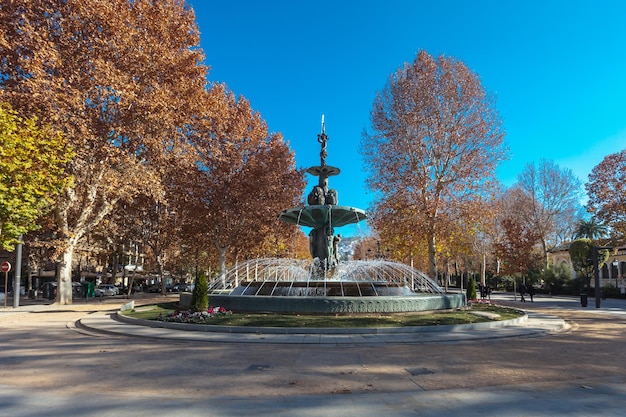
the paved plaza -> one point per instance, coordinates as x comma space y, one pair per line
78, 361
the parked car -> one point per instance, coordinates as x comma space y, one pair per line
154, 288
182, 287
48, 290
106, 289
77, 289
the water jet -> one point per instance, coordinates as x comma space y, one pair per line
326, 285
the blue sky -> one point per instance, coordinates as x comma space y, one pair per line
558, 69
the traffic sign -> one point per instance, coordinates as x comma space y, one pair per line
5, 267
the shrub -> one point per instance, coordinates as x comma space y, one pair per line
471, 289
200, 296
555, 277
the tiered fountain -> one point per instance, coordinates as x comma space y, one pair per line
326, 285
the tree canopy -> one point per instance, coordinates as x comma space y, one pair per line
590, 229
434, 144
554, 200
120, 79
243, 178
581, 254
33, 160
606, 190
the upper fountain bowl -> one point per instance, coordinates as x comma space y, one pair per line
318, 216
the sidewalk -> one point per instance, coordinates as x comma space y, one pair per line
560, 302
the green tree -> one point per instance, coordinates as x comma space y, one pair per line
436, 139
581, 254
33, 159
200, 296
555, 277
590, 229
470, 292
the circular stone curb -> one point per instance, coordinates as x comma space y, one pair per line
318, 330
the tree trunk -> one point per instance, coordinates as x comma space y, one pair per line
483, 271
544, 247
64, 283
222, 252
115, 262
432, 257
161, 277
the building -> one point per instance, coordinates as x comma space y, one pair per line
612, 273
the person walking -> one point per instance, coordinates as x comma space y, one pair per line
531, 293
522, 290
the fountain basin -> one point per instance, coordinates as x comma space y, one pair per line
332, 305
282, 285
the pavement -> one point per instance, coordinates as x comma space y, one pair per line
598, 394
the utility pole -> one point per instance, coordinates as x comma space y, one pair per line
17, 277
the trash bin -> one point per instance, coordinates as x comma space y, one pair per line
583, 299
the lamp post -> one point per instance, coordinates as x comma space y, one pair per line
596, 271
616, 265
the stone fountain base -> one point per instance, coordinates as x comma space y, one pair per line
332, 305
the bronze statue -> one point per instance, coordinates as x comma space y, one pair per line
323, 213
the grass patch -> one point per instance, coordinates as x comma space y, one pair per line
437, 318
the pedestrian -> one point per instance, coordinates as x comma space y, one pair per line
531, 293
522, 290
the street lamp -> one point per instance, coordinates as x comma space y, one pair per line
616, 265
596, 270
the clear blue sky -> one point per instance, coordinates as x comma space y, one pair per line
558, 69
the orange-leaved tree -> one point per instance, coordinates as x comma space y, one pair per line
120, 79
606, 190
435, 140
243, 178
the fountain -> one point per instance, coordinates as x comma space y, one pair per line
326, 285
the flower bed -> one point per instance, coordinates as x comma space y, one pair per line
199, 317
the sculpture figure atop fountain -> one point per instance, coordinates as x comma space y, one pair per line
323, 212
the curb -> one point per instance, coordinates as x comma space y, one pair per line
319, 330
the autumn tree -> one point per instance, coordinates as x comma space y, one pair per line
517, 241
33, 159
435, 142
120, 79
244, 177
515, 249
606, 190
154, 225
554, 201
475, 232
